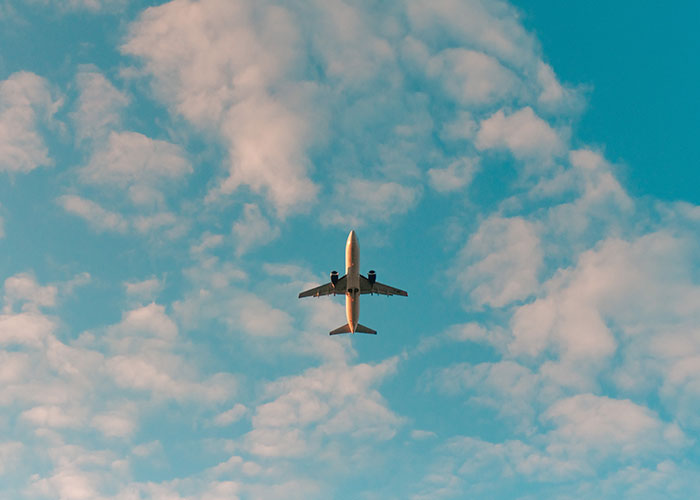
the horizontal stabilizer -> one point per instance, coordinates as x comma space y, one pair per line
363, 329
343, 329
358, 328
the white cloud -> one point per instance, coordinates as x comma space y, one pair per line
230, 416
454, 177
578, 298
52, 416
28, 329
14, 366
144, 290
600, 205
217, 63
23, 288
79, 280
142, 358
90, 5
462, 128
267, 143
117, 424
208, 241
472, 78
256, 317
132, 159
420, 435
166, 377
473, 467
525, 134
10, 452
99, 106
475, 332
489, 26
625, 313
123, 161
363, 198
554, 96
94, 214
25, 103
147, 449
78, 473
148, 223
147, 320
500, 262
586, 423
590, 434
353, 52
240, 311
252, 229
512, 390
494, 336
319, 404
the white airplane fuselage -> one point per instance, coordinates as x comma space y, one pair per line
352, 285
352, 270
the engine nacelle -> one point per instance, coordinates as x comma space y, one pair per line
372, 277
334, 277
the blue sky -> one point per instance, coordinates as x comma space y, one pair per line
172, 174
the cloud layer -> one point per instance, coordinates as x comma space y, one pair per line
207, 167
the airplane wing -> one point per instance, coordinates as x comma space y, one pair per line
327, 289
379, 288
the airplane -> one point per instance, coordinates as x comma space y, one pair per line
352, 285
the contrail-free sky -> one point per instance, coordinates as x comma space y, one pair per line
173, 174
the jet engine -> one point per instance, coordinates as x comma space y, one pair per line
334, 277
372, 277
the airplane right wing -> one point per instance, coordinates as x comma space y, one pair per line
379, 288
327, 289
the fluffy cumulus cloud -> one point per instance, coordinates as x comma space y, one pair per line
364, 199
123, 165
135, 162
26, 104
252, 229
88, 5
523, 133
97, 216
454, 177
471, 78
319, 405
89, 384
241, 73
581, 361
99, 106
225, 67
23, 289
499, 263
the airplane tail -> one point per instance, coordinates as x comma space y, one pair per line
359, 329
363, 329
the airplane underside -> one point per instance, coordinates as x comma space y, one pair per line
352, 285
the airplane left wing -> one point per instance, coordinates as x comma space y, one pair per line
327, 289
379, 288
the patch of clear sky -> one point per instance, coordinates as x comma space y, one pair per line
641, 62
